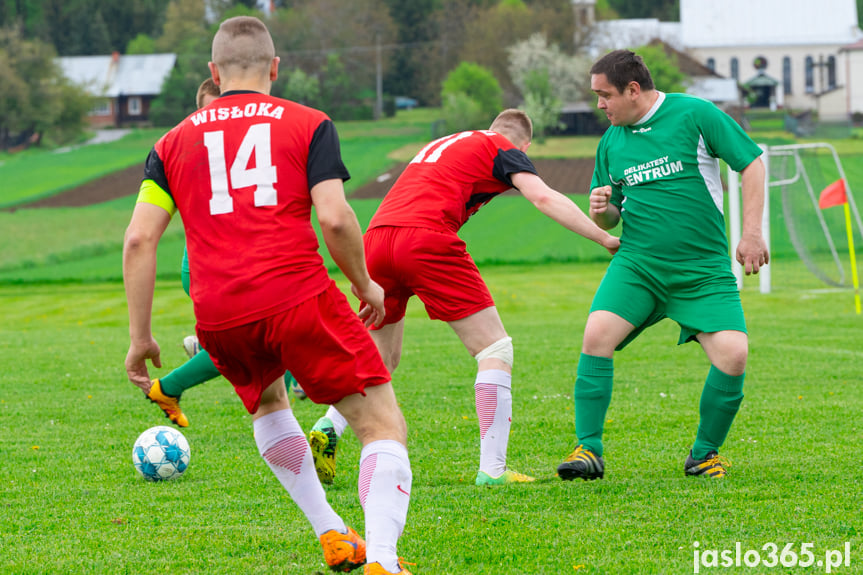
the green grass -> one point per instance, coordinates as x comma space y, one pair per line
39, 173
36, 174
88, 242
72, 502
85, 244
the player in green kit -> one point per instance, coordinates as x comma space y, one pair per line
657, 171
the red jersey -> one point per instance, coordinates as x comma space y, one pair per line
450, 179
239, 172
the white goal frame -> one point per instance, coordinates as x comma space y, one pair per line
735, 222
734, 207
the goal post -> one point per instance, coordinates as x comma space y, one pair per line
805, 182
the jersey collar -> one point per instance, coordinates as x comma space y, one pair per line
650, 113
235, 92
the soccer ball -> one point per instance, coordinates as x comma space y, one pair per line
161, 453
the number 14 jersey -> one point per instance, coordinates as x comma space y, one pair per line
239, 171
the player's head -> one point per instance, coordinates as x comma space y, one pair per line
515, 126
207, 92
243, 52
619, 79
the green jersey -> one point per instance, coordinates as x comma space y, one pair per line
665, 177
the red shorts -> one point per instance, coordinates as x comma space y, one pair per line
432, 265
321, 342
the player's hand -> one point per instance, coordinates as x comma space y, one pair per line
373, 296
136, 362
752, 253
611, 243
599, 198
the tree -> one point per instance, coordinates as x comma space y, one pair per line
177, 99
82, 27
540, 104
461, 112
666, 10
477, 84
567, 75
336, 89
547, 78
14, 98
301, 87
413, 19
141, 44
184, 24
555, 19
488, 35
35, 97
664, 69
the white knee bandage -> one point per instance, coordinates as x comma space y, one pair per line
501, 349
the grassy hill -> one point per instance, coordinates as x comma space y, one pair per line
85, 244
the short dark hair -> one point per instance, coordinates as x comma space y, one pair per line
207, 88
622, 67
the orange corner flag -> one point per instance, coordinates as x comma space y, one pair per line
833, 195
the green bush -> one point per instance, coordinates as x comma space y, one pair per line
479, 85
461, 112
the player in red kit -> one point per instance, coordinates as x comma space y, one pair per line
413, 248
244, 173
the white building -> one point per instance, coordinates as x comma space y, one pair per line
796, 54
124, 86
788, 51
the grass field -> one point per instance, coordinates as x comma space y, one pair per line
72, 502
37, 173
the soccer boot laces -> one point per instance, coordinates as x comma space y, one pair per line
581, 464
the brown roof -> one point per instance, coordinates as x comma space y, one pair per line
858, 45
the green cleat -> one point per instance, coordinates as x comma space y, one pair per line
581, 464
712, 466
323, 441
505, 478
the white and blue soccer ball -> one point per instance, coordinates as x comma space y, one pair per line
161, 453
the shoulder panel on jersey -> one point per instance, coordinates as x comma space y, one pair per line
154, 169
511, 161
325, 159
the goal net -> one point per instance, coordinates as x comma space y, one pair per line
798, 227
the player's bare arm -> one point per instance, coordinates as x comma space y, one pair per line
562, 210
343, 236
139, 275
752, 250
602, 211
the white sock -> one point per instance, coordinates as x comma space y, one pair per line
493, 390
384, 487
283, 446
339, 422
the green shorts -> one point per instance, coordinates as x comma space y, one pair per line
643, 290
184, 272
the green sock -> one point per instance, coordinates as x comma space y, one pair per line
720, 401
194, 372
592, 395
